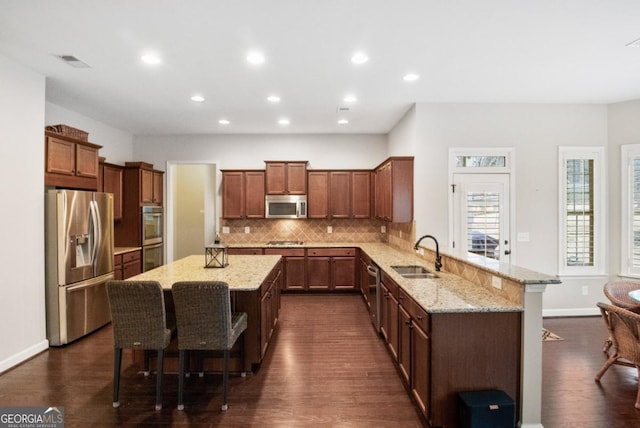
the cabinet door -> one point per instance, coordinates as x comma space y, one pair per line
319, 273
318, 197
297, 178
233, 194
343, 273
294, 273
420, 368
383, 192
61, 157
254, 194
158, 188
404, 344
86, 161
275, 178
146, 186
392, 325
112, 183
340, 194
266, 317
361, 194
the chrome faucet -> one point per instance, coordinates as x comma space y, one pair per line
438, 257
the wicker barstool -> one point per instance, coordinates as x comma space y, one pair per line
139, 322
205, 322
624, 330
618, 294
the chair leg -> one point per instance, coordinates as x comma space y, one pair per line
637, 406
181, 363
225, 380
159, 380
243, 372
146, 354
612, 359
117, 362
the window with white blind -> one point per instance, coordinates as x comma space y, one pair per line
630, 195
582, 214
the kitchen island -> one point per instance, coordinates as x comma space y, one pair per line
254, 283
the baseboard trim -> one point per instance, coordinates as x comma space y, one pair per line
23, 355
573, 312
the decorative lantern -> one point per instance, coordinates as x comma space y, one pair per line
215, 256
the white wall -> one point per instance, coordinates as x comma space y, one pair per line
22, 302
117, 145
534, 131
250, 151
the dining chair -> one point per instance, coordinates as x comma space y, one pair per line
205, 322
139, 322
618, 294
624, 331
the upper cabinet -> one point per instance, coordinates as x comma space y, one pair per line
142, 184
339, 194
394, 190
110, 181
286, 178
243, 194
70, 163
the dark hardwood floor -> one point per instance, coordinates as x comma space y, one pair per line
325, 368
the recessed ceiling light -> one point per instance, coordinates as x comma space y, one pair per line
411, 77
151, 59
197, 98
350, 99
223, 122
343, 121
255, 57
634, 44
284, 121
359, 58
273, 99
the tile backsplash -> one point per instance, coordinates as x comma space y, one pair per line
309, 230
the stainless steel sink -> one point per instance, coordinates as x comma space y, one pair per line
414, 271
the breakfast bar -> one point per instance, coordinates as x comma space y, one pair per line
254, 283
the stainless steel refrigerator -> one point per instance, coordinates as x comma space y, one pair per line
79, 262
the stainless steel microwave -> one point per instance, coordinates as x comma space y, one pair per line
286, 206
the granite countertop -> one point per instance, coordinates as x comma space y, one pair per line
447, 293
244, 273
122, 250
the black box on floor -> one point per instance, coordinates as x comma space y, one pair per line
486, 409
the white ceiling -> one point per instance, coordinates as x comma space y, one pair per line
536, 51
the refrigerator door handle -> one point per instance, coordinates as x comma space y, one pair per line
97, 238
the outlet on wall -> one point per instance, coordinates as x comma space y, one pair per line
329, 229
225, 229
585, 290
247, 229
383, 229
496, 282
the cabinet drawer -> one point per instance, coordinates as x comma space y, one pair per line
245, 251
418, 315
131, 256
331, 252
287, 252
390, 284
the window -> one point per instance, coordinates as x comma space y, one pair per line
581, 210
630, 195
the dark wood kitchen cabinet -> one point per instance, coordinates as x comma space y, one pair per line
243, 194
269, 309
110, 181
142, 185
331, 269
389, 314
336, 194
128, 264
394, 190
293, 271
286, 178
70, 163
318, 196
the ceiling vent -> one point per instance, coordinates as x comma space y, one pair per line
342, 109
73, 61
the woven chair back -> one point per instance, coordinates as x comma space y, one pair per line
618, 293
203, 315
624, 328
137, 314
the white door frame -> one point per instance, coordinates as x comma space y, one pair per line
508, 168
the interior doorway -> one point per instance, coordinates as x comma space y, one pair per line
190, 208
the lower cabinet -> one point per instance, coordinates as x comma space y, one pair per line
126, 265
389, 315
331, 269
293, 272
440, 354
269, 309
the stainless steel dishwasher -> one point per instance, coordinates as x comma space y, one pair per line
374, 294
